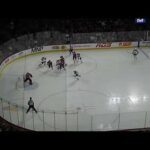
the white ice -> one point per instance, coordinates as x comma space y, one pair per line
112, 83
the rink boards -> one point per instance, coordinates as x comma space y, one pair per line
55, 48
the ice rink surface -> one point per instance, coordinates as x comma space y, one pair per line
111, 81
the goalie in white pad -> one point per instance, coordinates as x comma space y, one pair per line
43, 61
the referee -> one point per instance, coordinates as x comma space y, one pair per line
31, 105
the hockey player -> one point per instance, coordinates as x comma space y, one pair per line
135, 53
50, 64
71, 50
79, 57
76, 75
62, 58
58, 63
62, 62
43, 60
28, 77
74, 56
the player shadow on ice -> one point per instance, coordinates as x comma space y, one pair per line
30, 87
135, 61
66, 56
80, 80
73, 83
54, 73
74, 65
40, 66
46, 71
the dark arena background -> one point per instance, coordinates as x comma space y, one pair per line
81, 74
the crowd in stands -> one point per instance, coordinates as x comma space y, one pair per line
16, 27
